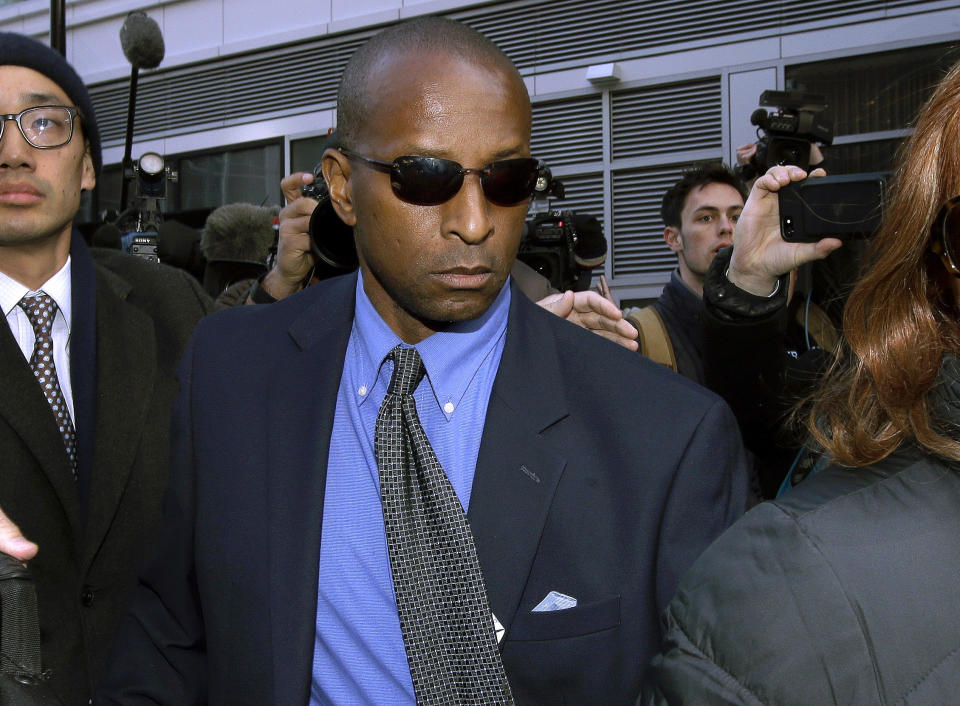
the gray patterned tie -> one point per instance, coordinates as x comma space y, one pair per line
41, 310
444, 613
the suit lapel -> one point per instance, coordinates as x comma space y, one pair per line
126, 369
517, 470
26, 410
300, 416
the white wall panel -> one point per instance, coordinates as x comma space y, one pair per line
745, 88
344, 9
94, 47
243, 19
189, 26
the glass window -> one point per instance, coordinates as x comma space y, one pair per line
859, 157
306, 152
875, 92
244, 174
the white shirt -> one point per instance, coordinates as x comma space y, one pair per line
59, 289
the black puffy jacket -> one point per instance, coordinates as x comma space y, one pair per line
844, 591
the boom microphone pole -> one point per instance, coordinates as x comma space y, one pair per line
142, 44
58, 28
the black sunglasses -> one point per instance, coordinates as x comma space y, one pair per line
429, 181
945, 235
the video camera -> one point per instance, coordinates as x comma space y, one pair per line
547, 246
562, 245
149, 177
787, 134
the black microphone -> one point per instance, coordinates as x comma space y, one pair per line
142, 41
142, 44
22, 679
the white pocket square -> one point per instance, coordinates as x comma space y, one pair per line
555, 601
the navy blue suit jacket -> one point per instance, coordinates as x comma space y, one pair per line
601, 475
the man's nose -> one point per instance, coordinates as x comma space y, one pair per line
15, 151
726, 227
467, 214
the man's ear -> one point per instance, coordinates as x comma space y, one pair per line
336, 172
671, 236
88, 176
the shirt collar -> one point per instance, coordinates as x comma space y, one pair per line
58, 287
451, 357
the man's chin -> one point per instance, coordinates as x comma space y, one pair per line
464, 307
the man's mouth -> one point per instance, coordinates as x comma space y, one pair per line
19, 193
464, 277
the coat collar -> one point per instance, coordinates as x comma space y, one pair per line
300, 410
126, 355
26, 410
83, 359
517, 469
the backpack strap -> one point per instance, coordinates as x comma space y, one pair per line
653, 337
815, 320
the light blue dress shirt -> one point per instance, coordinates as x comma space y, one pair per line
358, 653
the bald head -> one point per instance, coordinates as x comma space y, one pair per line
425, 35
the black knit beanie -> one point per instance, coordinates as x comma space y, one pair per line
18, 50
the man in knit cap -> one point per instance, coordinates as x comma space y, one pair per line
87, 360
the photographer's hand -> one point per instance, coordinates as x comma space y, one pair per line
745, 152
13, 542
294, 257
594, 313
760, 255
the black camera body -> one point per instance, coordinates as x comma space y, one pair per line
787, 134
331, 240
548, 246
149, 177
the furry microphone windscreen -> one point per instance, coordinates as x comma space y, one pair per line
142, 41
238, 232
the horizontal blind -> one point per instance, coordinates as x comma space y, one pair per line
538, 33
638, 246
667, 118
568, 132
583, 193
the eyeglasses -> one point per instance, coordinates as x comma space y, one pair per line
429, 181
44, 127
945, 235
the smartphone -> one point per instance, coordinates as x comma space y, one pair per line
846, 206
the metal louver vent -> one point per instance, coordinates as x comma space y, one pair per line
638, 246
666, 118
538, 33
569, 131
213, 94
584, 193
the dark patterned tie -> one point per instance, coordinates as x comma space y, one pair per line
41, 310
445, 617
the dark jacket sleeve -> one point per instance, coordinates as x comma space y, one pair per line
761, 618
746, 362
160, 644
